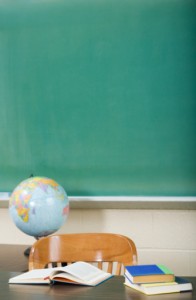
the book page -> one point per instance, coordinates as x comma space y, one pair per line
32, 275
82, 270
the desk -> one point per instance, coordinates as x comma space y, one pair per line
112, 289
12, 259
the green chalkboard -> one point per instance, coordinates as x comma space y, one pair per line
99, 95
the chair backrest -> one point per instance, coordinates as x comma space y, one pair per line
98, 248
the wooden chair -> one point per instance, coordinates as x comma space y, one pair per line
96, 248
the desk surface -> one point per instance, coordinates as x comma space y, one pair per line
12, 259
113, 289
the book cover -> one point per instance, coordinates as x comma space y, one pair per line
149, 273
179, 285
77, 273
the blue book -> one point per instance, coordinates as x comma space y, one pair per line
149, 273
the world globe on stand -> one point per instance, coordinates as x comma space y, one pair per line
39, 206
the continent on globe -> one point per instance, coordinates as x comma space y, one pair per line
39, 206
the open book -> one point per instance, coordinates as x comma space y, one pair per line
77, 273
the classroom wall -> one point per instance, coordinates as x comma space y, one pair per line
161, 236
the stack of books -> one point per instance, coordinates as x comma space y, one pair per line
155, 279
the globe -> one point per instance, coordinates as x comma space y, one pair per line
39, 206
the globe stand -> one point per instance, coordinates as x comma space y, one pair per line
27, 251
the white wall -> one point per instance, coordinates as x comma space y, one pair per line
161, 236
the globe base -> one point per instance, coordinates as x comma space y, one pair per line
27, 251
